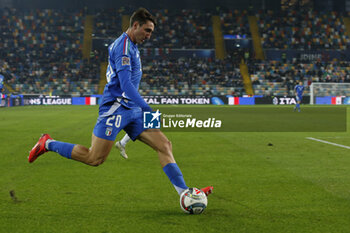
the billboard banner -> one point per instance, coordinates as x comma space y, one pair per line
46, 100
178, 99
335, 100
281, 100
307, 55
16, 100
93, 100
199, 100
4, 101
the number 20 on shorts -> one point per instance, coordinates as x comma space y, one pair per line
118, 120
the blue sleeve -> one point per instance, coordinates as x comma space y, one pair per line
121, 60
130, 90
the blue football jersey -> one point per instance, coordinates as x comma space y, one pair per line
299, 89
123, 55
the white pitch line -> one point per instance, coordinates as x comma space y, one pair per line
331, 143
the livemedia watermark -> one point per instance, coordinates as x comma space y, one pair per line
246, 119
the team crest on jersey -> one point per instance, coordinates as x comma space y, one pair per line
109, 131
125, 61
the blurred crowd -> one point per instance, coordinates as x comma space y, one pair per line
279, 78
234, 22
41, 51
184, 29
108, 23
191, 76
303, 29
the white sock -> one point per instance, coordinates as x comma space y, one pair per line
47, 143
179, 190
125, 140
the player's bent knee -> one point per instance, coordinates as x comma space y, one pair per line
95, 161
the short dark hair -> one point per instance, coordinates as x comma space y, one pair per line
142, 16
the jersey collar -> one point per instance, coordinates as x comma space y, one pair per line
129, 39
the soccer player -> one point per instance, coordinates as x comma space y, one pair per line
121, 107
298, 90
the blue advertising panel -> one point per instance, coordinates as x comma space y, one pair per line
324, 100
246, 100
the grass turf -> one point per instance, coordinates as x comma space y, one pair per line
264, 182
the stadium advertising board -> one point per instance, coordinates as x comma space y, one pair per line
3, 102
335, 100
346, 101
88, 100
310, 55
281, 100
46, 100
68, 100
16, 100
173, 99
199, 100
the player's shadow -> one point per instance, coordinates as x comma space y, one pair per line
180, 213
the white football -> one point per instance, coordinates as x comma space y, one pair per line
193, 201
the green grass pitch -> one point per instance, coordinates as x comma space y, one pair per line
264, 182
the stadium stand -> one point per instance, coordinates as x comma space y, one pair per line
303, 29
108, 23
278, 78
41, 52
191, 76
299, 30
234, 22
182, 29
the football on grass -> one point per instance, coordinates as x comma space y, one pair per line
193, 201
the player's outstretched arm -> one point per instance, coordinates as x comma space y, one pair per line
130, 90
